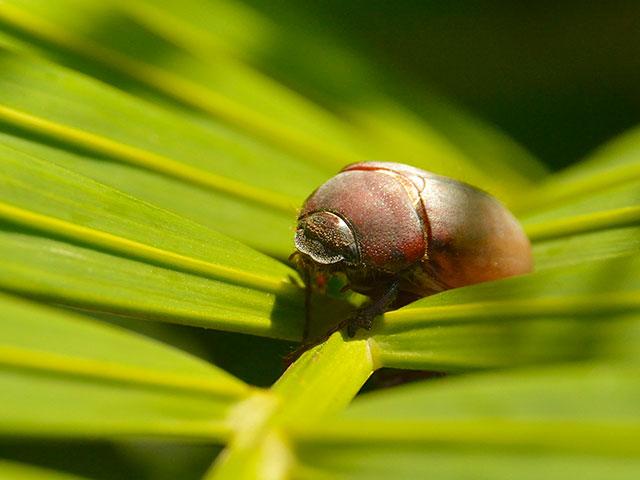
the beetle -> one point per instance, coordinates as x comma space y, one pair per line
399, 233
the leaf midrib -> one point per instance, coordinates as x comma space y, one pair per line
146, 159
615, 437
133, 248
585, 223
79, 367
183, 90
585, 306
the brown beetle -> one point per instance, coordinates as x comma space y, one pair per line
399, 233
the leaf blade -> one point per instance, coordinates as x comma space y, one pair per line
553, 315
577, 417
82, 378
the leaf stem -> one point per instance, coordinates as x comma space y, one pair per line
323, 380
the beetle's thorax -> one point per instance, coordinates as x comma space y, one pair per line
382, 210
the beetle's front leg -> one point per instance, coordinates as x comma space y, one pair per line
379, 303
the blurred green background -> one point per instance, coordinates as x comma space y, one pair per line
561, 77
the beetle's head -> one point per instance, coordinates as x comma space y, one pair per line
326, 239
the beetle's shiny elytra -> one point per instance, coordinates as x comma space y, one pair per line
395, 229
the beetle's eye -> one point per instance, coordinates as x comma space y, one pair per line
326, 238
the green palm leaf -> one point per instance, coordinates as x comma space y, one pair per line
42, 197
565, 421
557, 314
18, 471
82, 378
173, 150
152, 158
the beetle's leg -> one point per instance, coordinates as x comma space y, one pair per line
363, 317
307, 305
294, 355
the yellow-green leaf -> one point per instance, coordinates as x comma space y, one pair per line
547, 423
571, 312
64, 375
10, 470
